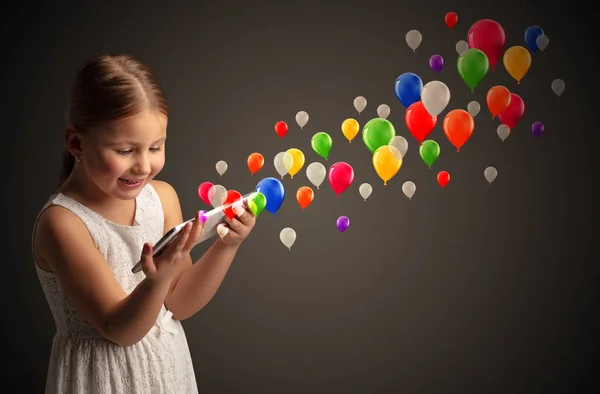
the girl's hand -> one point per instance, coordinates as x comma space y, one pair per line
237, 229
166, 265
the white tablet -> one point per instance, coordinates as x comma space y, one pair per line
214, 217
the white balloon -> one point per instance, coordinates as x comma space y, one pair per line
302, 118
414, 39
360, 103
383, 111
283, 162
435, 97
461, 47
365, 190
399, 143
221, 167
217, 195
490, 174
542, 42
315, 172
503, 132
473, 108
558, 87
288, 237
409, 188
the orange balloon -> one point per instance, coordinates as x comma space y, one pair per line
498, 98
458, 127
305, 195
255, 162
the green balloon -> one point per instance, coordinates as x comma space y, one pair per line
429, 151
257, 202
377, 133
321, 143
472, 66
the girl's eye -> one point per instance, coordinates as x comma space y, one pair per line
155, 149
123, 152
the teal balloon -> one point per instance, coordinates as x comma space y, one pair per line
429, 152
473, 66
377, 132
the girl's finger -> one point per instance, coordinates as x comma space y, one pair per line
147, 261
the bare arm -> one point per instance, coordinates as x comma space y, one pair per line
63, 241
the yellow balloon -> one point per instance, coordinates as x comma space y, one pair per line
387, 160
350, 128
517, 61
298, 157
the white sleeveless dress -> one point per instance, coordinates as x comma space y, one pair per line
81, 360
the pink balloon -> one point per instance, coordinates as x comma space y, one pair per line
514, 112
340, 177
489, 37
203, 191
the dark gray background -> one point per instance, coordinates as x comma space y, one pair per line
471, 288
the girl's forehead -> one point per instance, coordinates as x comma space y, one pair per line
140, 127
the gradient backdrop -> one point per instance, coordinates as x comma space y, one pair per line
468, 289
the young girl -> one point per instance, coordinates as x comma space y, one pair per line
119, 332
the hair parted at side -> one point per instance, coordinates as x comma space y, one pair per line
108, 87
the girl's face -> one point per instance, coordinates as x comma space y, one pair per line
125, 156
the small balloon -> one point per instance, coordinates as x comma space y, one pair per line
558, 86
342, 223
542, 42
420, 123
473, 108
274, 192
387, 160
321, 143
341, 176
365, 190
451, 18
232, 198
221, 167
429, 152
409, 188
298, 158
503, 132
315, 172
490, 174
255, 162
203, 191
217, 195
461, 47
360, 103
443, 177
513, 114
436, 62
400, 143
305, 196
537, 128
458, 126
517, 61
350, 129
281, 128
383, 111
257, 202
377, 132
497, 99
283, 162
414, 39
408, 87
531, 35
302, 118
287, 237
472, 66
435, 97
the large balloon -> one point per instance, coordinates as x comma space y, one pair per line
531, 35
458, 127
274, 192
387, 160
472, 66
497, 98
203, 190
514, 112
435, 97
408, 87
420, 123
257, 202
489, 37
298, 158
321, 143
377, 132
517, 61
429, 152
232, 198
341, 175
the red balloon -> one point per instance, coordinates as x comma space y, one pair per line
340, 177
489, 37
451, 18
420, 123
203, 191
458, 127
443, 177
281, 128
514, 112
233, 198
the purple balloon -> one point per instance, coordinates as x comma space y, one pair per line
436, 62
343, 223
537, 128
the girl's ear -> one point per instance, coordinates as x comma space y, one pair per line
73, 140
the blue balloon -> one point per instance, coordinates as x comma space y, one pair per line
531, 35
274, 191
408, 88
